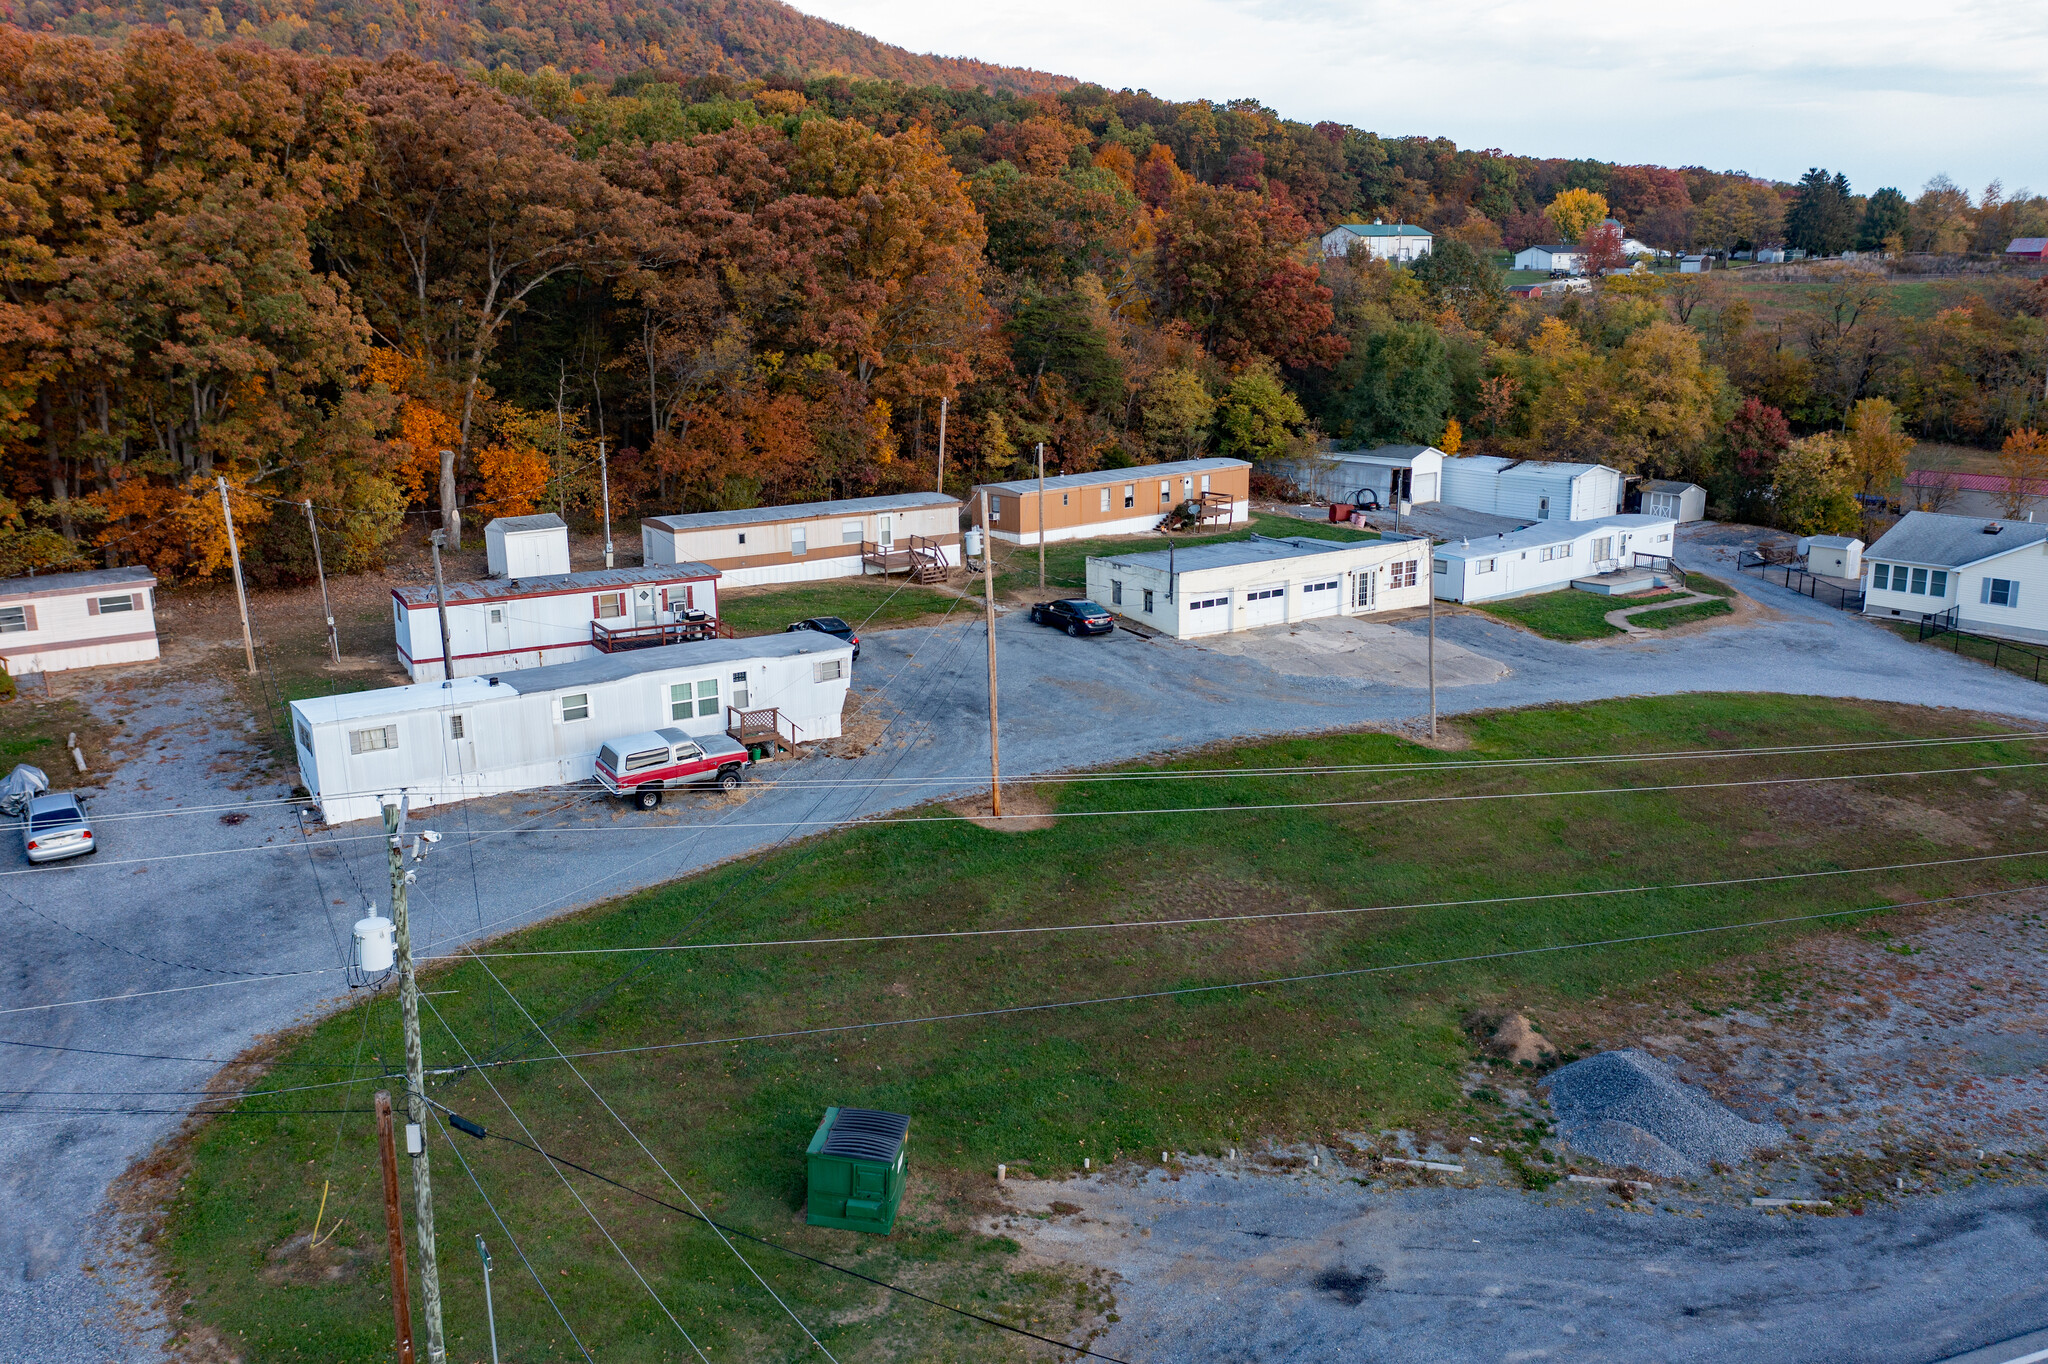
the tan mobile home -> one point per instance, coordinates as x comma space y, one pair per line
808, 540
1115, 501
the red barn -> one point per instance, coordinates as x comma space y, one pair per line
2027, 248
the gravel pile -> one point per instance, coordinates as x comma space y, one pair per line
1628, 1108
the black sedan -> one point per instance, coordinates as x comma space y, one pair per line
1074, 615
830, 625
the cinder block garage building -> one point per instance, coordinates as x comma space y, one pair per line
1244, 584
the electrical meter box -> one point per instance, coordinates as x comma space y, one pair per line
856, 1161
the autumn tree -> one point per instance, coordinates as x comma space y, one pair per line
1810, 488
1574, 212
1877, 449
2023, 460
1397, 387
1230, 264
1258, 418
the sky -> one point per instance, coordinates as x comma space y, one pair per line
1888, 93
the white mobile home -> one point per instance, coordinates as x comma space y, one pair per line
60, 621
1243, 584
1682, 502
498, 626
1992, 574
1390, 472
527, 546
1547, 558
1531, 489
483, 736
810, 540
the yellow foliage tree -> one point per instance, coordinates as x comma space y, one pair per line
424, 430
1575, 210
2023, 459
514, 477
1454, 437
1877, 447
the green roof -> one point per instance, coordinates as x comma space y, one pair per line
1385, 229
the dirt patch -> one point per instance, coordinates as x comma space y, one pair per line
1511, 1037
1025, 810
300, 1261
862, 722
1828, 806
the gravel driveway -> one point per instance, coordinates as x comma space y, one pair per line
185, 911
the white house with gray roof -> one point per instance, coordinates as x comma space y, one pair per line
1383, 241
1547, 558
1992, 573
805, 541
1243, 584
60, 621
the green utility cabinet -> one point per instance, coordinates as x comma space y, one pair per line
856, 1169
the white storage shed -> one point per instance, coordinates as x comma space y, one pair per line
1531, 489
804, 541
484, 736
60, 621
1391, 472
1546, 558
1682, 502
1833, 556
1244, 584
527, 546
498, 626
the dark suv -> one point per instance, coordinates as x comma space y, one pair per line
830, 625
1074, 615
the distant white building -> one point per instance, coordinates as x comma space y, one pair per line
527, 546
60, 621
1559, 257
1384, 241
1390, 472
1833, 556
1534, 490
1243, 584
1546, 558
1681, 502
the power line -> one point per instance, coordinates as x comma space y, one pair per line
1052, 1005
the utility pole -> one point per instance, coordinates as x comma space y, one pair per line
1041, 516
394, 1229
940, 486
995, 751
333, 635
235, 557
415, 1086
451, 514
490, 1311
441, 605
604, 476
1432, 643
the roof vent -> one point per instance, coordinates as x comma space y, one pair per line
1992, 528
494, 681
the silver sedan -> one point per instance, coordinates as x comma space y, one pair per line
56, 827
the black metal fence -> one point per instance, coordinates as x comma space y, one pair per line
1999, 653
1823, 590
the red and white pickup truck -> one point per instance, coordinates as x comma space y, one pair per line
641, 766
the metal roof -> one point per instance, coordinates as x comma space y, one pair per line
1131, 474
2028, 245
1555, 249
56, 584
554, 585
514, 524
1500, 464
866, 1134
1831, 541
801, 511
1666, 485
1545, 533
1386, 229
1943, 541
1233, 553
1397, 455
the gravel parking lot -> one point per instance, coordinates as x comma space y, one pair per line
213, 917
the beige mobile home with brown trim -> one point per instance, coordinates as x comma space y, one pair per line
1115, 501
807, 540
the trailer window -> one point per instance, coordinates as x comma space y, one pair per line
610, 605
373, 740
1105, 499
13, 619
455, 726
109, 605
1130, 495
576, 706
828, 670
703, 695
305, 735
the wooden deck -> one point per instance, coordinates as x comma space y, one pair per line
614, 639
768, 728
921, 558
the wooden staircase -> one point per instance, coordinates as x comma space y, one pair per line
922, 559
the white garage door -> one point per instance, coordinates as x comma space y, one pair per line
1208, 615
1264, 606
1320, 598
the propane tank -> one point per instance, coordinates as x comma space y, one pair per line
971, 542
376, 947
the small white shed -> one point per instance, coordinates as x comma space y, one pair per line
1391, 472
1682, 502
60, 621
484, 736
1833, 556
1242, 584
527, 546
1532, 489
1547, 558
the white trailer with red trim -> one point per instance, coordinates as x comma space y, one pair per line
501, 624
542, 727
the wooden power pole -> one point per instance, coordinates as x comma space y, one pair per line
415, 1088
940, 486
604, 478
333, 635
235, 557
394, 1230
1041, 516
1432, 642
995, 750
441, 606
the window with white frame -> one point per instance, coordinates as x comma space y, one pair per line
799, 541
455, 727
1483, 566
373, 740
1165, 491
702, 694
1603, 548
1937, 582
1105, 499
575, 706
1116, 587
2000, 592
828, 670
1148, 601
850, 532
609, 605
1205, 483
1440, 565
1130, 495
1881, 577
739, 690
1266, 594
1403, 573
14, 620
1330, 586
108, 605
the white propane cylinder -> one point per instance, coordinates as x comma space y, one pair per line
971, 542
376, 948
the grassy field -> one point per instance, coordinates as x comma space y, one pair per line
868, 604
1066, 561
1188, 1072
1682, 615
1570, 615
1778, 300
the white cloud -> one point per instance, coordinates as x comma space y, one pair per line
1886, 92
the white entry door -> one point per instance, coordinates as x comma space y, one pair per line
497, 630
643, 606
1323, 597
1365, 593
1265, 606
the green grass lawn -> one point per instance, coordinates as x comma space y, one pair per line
1066, 561
1570, 615
1682, 615
2028, 660
33, 731
867, 603
1190, 1072
1712, 587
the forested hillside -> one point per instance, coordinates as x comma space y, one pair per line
312, 275
731, 37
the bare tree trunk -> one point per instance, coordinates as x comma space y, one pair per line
451, 514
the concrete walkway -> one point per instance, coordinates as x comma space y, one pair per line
160, 944
1620, 619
